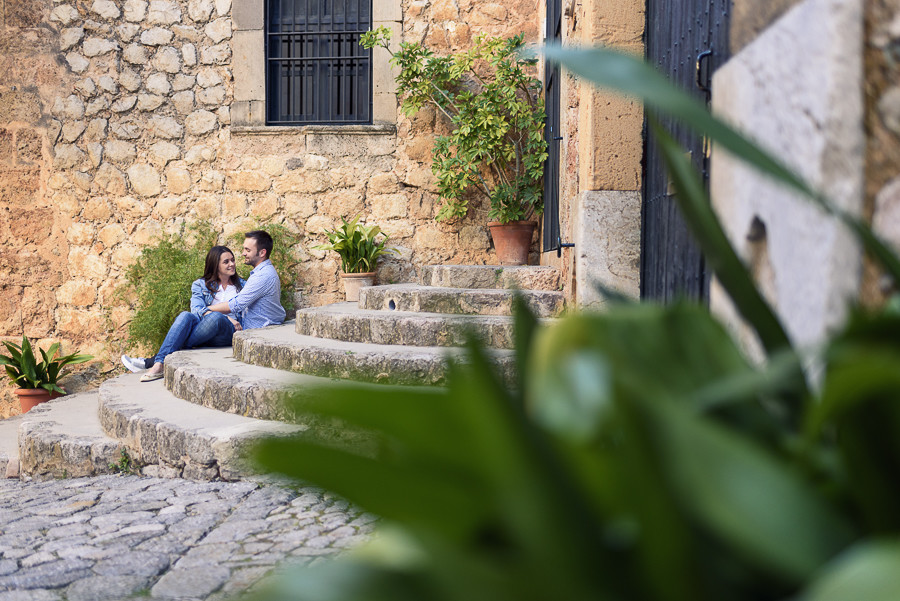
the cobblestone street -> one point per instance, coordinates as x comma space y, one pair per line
121, 537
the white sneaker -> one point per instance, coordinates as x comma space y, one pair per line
133, 364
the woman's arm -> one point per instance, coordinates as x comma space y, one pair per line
198, 300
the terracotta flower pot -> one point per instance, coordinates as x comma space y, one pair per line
512, 241
29, 398
354, 281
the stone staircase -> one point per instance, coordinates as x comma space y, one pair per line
213, 403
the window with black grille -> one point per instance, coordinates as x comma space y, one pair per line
317, 73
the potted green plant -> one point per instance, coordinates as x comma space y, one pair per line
496, 146
359, 248
37, 380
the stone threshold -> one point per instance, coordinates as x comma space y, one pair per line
377, 129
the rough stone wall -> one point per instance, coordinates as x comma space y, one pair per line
115, 126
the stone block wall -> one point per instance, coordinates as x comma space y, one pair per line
116, 126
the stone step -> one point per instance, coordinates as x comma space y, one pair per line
524, 277
171, 437
458, 301
63, 438
280, 347
347, 322
9, 446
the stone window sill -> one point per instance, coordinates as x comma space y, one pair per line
343, 130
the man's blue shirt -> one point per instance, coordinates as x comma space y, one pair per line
260, 300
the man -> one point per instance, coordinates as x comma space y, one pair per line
258, 302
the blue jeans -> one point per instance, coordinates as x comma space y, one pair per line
190, 331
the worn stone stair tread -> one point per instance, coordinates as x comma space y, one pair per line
9, 446
177, 437
282, 348
458, 301
347, 322
64, 438
213, 378
523, 277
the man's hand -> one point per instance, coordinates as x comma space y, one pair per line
237, 326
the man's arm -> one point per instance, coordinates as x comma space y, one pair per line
219, 308
257, 286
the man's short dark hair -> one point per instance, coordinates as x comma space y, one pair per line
263, 241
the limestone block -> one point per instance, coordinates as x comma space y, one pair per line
38, 306
64, 14
265, 207
130, 80
86, 87
388, 206
383, 183
199, 11
158, 83
234, 205
399, 229
69, 37
248, 64
70, 108
97, 209
223, 7
421, 178
166, 128
156, 36
82, 180
183, 82
248, 181
96, 106
199, 154
81, 234
889, 108
169, 207
127, 31
178, 180
212, 181
67, 156
98, 46
351, 145
248, 14
200, 122
208, 77
431, 236
120, 152
387, 11
219, 30
126, 129
72, 130
475, 237
135, 10
78, 293
214, 96
215, 55
124, 104
83, 263
125, 255
108, 84
135, 54
445, 10
149, 102
132, 207
167, 59
111, 235
77, 63
189, 54
206, 207
144, 179
886, 220
318, 224
186, 33
110, 180
303, 182
162, 153
183, 102
163, 12
105, 9
146, 232
95, 153
96, 129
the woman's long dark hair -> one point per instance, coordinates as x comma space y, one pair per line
211, 271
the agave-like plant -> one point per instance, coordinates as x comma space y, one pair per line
27, 372
357, 245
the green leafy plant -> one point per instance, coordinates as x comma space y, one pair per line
642, 457
125, 464
496, 146
26, 371
357, 245
162, 275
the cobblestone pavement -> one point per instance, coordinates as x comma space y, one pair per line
123, 537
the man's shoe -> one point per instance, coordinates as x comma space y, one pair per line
134, 364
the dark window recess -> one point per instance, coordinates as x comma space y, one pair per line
551, 238
316, 71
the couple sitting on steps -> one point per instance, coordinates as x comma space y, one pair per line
221, 304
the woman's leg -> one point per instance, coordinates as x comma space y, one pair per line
177, 336
214, 329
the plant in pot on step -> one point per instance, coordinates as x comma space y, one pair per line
37, 380
359, 248
496, 145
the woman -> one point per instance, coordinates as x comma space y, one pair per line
199, 327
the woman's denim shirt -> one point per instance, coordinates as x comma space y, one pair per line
201, 298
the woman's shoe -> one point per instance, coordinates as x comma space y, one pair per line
149, 377
134, 364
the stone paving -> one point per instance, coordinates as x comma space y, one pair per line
111, 538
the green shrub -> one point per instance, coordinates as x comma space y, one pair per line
642, 456
162, 275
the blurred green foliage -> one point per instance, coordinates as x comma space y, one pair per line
642, 457
161, 277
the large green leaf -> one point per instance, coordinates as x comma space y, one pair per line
868, 572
